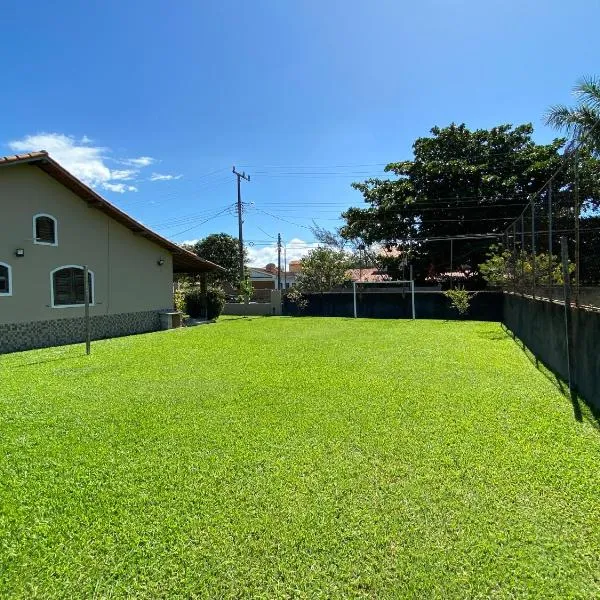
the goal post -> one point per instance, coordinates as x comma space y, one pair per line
409, 282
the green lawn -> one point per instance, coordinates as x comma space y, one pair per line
279, 457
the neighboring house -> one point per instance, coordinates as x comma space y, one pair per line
367, 274
52, 225
266, 279
262, 279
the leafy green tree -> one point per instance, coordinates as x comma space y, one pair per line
589, 263
583, 120
222, 249
516, 270
359, 254
322, 270
459, 183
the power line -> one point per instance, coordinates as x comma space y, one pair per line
183, 219
281, 219
199, 224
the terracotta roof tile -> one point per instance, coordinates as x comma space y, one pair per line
23, 157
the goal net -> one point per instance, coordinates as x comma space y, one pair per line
406, 286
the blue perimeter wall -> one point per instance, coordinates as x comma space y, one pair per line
485, 306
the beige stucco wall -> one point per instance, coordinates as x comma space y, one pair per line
127, 277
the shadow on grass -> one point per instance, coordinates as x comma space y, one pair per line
228, 318
17, 361
582, 409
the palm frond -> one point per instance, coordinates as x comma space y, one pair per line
560, 116
588, 92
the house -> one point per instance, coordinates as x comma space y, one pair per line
266, 279
262, 279
366, 274
52, 225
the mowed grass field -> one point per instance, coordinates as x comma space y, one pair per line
280, 457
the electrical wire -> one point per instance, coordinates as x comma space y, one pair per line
199, 224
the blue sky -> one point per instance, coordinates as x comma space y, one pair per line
153, 102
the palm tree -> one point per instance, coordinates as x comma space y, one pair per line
583, 120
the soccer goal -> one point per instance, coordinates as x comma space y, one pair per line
406, 285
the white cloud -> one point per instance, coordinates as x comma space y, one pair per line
124, 175
86, 161
120, 188
296, 249
142, 161
160, 177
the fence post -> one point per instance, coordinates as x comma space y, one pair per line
522, 257
451, 263
577, 210
567, 296
514, 258
533, 248
550, 275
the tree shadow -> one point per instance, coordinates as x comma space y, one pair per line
582, 409
230, 318
11, 361
493, 336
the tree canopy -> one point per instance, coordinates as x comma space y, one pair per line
459, 183
322, 270
223, 249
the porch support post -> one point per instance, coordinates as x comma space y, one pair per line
203, 289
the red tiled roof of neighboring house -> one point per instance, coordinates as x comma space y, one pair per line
183, 260
367, 274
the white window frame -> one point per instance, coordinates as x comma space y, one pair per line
10, 284
93, 290
35, 239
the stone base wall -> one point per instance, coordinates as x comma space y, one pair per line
43, 334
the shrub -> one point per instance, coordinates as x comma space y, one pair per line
295, 297
460, 299
199, 307
179, 300
246, 290
504, 268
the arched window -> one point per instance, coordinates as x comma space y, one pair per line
67, 288
5, 280
45, 230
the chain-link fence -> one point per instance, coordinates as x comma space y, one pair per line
562, 214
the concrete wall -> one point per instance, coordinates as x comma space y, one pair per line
127, 278
272, 308
540, 325
252, 309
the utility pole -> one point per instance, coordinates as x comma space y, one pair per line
240, 176
278, 261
